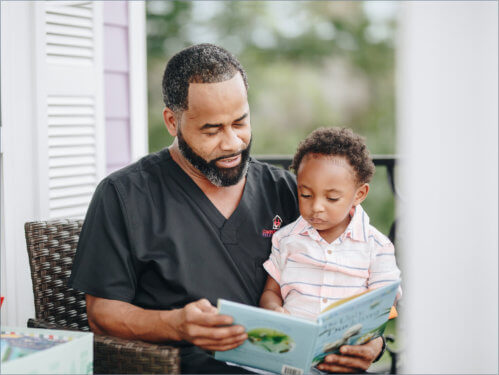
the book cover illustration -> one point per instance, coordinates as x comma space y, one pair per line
274, 339
16, 345
271, 340
45, 351
291, 345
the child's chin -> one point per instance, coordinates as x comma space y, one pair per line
321, 228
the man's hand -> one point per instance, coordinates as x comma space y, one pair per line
353, 358
199, 323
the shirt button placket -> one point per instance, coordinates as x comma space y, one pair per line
325, 279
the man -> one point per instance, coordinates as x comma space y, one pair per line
165, 237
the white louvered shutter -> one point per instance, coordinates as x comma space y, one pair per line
70, 105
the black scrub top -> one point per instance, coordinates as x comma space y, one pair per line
152, 238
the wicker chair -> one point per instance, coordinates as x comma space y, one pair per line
51, 248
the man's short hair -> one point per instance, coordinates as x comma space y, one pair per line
201, 63
338, 142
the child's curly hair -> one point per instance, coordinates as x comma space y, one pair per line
337, 142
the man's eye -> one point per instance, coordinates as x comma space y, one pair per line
305, 195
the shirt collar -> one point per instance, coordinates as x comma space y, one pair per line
310, 231
357, 229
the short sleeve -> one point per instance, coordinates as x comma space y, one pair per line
383, 269
103, 264
274, 265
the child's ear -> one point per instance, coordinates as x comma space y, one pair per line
361, 194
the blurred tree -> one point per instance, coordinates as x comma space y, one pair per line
309, 64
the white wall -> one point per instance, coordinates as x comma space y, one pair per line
138, 78
18, 169
448, 132
53, 135
52, 126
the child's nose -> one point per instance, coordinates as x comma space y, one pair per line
317, 206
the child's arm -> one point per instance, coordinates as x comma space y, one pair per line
383, 268
271, 297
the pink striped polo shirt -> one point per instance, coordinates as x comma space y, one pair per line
313, 273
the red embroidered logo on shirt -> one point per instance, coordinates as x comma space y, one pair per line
276, 224
267, 232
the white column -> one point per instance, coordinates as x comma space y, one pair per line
138, 79
448, 132
18, 162
53, 151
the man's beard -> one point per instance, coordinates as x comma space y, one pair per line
217, 176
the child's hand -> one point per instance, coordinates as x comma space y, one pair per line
281, 310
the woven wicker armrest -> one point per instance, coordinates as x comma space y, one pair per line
39, 323
113, 355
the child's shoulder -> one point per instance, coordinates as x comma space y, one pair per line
366, 231
291, 229
378, 238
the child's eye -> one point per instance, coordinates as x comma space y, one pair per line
305, 195
333, 199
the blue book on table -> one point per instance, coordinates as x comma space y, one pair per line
290, 345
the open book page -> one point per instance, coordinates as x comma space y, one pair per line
355, 320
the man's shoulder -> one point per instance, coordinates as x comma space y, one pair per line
275, 188
271, 171
141, 169
276, 184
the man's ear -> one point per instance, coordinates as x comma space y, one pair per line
170, 121
361, 194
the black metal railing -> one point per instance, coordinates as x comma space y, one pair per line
387, 161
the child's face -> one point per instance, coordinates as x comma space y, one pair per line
327, 191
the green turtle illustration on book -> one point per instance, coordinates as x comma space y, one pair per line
270, 340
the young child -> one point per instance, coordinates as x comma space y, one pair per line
330, 252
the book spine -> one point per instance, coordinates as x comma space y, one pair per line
315, 333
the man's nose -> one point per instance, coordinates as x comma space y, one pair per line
230, 141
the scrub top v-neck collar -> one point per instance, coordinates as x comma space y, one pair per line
227, 226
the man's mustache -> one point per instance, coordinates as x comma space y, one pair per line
226, 156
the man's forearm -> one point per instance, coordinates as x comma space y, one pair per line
197, 322
125, 320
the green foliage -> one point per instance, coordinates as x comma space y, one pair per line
309, 64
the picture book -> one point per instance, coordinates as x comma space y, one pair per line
16, 345
291, 345
43, 351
